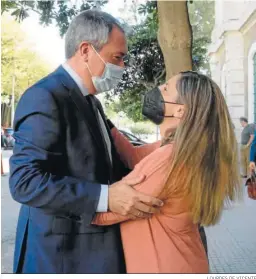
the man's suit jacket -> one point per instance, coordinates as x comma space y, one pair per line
59, 162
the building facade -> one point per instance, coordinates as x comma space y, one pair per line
233, 57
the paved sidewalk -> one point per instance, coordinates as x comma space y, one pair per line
231, 243
9, 214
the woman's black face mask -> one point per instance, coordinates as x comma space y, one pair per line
154, 106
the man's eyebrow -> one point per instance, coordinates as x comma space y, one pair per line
121, 53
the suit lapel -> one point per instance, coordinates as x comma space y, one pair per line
119, 168
98, 110
82, 105
85, 109
91, 119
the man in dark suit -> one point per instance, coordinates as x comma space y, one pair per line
65, 167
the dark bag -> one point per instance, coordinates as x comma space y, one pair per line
251, 186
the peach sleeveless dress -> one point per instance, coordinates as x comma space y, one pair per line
167, 242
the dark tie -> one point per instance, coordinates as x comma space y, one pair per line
103, 128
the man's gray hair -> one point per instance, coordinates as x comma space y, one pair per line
91, 26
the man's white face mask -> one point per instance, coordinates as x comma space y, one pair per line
110, 77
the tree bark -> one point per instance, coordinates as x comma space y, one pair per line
175, 36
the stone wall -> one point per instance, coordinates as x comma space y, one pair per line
232, 37
249, 39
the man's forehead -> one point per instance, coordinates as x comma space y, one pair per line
117, 41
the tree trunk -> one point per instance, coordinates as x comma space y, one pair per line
175, 36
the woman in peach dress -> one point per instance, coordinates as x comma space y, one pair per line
194, 171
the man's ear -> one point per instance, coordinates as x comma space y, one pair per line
83, 51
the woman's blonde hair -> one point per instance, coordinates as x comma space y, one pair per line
204, 164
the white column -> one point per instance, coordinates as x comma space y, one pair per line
235, 90
251, 82
215, 68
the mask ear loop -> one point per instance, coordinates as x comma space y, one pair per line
88, 68
173, 104
98, 55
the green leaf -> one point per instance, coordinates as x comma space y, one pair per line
6, 6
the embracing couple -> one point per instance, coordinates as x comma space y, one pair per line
93, 203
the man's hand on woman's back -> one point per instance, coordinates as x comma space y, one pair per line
125, 200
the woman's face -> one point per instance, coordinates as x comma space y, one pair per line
172, 108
